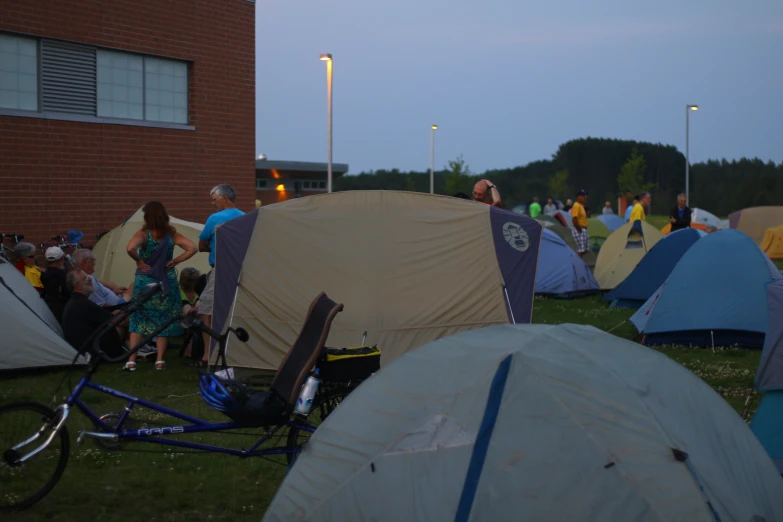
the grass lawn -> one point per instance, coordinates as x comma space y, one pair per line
129, 486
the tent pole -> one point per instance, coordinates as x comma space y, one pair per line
508, 301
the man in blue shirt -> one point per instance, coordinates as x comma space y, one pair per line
223, 199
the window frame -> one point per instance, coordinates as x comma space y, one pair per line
39, 113
38, 61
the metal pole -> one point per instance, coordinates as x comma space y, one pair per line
433, 128
687, 154
329, 117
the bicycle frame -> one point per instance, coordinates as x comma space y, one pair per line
196, 425
151, 435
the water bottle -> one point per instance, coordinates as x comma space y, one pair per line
305, 400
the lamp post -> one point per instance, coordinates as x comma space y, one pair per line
328, 59
432, 158
688, 109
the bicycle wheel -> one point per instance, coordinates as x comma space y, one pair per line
324, 405
22, 485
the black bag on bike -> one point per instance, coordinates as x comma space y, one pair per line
351, 364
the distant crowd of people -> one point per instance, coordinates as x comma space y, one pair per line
81, 303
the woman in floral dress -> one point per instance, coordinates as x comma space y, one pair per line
152, 248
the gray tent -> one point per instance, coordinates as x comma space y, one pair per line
31, 335
532, 422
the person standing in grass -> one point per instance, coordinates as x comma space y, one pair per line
637, 213
152, 248
579, 220
224, 200
535, 208
680, 216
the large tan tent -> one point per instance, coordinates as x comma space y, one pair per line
772, 244
409, 267
32, 338
115, 265
622, 251
755, 221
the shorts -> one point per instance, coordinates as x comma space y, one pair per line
207, 297
581, 239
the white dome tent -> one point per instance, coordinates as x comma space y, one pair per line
32, 338
532, 422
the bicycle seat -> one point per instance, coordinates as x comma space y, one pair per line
251, 408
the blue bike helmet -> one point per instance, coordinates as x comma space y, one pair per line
221, 396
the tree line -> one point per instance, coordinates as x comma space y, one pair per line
607, 169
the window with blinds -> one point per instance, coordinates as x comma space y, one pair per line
53, 76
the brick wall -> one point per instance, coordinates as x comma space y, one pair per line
60, 175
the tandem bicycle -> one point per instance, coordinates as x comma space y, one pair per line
45, 442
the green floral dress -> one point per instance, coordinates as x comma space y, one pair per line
160, 308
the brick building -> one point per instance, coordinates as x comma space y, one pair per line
106, 104
281, 180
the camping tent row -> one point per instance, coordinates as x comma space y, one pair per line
408, 267
561, 272
622, 251
114, 264
714, 295
532, 422
32, 337
764, 225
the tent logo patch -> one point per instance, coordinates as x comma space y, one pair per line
516, 236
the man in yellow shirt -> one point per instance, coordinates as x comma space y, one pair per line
579, 220
25, 252
637, 214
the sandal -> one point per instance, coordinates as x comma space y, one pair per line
160, 365
129, 367
199, 364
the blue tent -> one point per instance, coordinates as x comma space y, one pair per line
611, 221
767, 423
715, 296
653, 269
561, 272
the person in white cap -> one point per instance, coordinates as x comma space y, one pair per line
55, 288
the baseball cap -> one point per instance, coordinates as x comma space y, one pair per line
582, 193
54, 253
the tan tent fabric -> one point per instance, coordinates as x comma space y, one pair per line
115, 265
772, 244
410, 268
622, 251
756, 220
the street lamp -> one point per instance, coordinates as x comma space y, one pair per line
688, 109
328, 59
432, 158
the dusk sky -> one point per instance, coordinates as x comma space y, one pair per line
508, 81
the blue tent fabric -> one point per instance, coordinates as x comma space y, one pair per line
653, 269
767, 423
611, 221
769, 375
561, 272
715, 295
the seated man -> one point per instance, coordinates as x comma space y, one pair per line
55, 286
82, 317
106, 293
